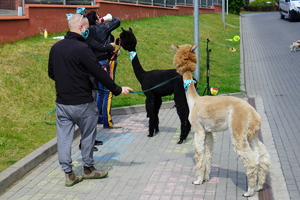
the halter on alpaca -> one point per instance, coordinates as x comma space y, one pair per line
219, 113
149, 79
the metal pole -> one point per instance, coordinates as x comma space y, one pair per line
196, 38
23, 7
223, 13
226, 7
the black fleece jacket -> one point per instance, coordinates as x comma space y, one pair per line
96, 46
70, 62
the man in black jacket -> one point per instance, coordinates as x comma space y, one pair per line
71, 61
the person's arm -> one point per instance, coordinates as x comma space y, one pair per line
96, 46
114, 24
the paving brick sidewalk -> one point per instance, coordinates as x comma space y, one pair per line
141, 167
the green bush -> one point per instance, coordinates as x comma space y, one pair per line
262, 5
234, 6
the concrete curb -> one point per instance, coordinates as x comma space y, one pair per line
26, 164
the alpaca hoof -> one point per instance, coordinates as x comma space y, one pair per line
247, 194
180, 142
258, 188
250, 192
196, 183
150, 135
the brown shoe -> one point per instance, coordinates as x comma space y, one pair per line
72, 179
91, 172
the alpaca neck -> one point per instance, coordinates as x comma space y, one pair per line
191, 93
137, 67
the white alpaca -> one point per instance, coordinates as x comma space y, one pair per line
219, 113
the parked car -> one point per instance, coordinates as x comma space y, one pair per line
289, 9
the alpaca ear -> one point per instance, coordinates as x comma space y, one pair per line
194, 47
174, 47
123, 29
130, 30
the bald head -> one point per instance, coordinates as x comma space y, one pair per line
77, 22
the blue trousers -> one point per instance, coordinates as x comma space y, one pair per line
104, 96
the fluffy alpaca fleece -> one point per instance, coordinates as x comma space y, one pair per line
295, 45
219, 113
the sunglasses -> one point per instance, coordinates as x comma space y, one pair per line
82, 16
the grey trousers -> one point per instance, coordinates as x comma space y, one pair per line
85, 116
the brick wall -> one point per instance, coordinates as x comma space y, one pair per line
10, 4
53, 17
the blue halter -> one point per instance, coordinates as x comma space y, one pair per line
187, 84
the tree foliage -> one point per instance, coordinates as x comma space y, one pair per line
234, 6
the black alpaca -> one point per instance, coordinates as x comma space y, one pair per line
149, 79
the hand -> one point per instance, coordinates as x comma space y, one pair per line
113, 44
125, 90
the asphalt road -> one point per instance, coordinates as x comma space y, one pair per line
272, 72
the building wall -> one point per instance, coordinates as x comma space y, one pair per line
10, 4
53, 17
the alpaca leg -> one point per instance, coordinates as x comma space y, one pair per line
182, 109
150, 113
251, 163
185, 129
183, 113
157, 105
263, 167
244, 127
250, 160
199, 153
209, 145
252, 178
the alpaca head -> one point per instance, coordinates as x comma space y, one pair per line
127, 40
185, 58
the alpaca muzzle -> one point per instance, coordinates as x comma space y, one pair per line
119, 42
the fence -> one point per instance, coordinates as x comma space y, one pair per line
16, 7
61, 2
